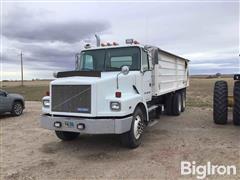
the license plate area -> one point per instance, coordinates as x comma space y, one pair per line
69, 124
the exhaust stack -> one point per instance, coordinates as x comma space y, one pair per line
98, 40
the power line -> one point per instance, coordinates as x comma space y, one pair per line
21, 55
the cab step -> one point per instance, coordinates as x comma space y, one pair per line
153, 123
151, 108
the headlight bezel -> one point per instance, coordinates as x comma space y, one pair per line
46, 103
114, 104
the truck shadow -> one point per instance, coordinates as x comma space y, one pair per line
91, 148
5, 116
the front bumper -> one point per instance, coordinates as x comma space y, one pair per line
92, 126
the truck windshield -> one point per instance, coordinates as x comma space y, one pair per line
111, 59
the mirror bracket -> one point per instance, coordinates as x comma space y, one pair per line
124, 71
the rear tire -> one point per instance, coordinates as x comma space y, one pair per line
220, 102
66, 136
183, 93
177, 103
17, 108
132, 139
168, 104
236, 106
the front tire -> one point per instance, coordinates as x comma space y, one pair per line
17, 108
66, 136
220, 102
133, 138
236, 107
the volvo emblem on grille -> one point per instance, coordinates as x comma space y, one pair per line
82, 109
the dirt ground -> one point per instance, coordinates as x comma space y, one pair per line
29, 152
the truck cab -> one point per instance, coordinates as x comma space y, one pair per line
111, 91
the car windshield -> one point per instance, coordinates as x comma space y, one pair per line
111, 59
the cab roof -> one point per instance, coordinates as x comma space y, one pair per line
136, 45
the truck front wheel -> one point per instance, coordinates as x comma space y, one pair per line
132, 138
66, 136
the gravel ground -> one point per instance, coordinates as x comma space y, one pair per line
29, 152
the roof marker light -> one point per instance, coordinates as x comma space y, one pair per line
129, 41
118, 94
136, 42
87, 46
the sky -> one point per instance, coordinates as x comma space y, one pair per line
49, 34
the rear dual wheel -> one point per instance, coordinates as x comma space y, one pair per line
175, 103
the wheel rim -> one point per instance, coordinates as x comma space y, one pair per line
184, 102
138, 127
18, 109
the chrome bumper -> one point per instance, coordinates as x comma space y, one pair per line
91, 126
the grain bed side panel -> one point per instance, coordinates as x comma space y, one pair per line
171, 74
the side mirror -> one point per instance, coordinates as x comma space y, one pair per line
125, 70
55, 74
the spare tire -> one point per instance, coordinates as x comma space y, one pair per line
236, 106
220, 102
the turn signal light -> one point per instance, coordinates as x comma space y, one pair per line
118, 94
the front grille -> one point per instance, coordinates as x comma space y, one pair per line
71, 98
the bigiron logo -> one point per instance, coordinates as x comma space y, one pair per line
202, 171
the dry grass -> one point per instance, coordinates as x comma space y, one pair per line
200, 92
32, 90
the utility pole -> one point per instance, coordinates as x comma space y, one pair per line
21, 67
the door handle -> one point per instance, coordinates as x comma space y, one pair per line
150, 84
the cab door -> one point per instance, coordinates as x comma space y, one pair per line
146, 77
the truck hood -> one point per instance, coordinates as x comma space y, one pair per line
105, 76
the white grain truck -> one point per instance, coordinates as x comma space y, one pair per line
116, 90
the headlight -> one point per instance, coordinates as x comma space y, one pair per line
46, 103
115, 106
